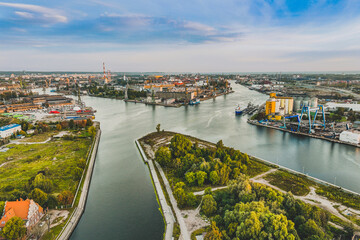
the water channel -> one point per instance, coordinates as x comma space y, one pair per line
122, 203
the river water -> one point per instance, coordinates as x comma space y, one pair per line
122, 203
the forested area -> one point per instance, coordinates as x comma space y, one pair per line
245, 209
110, 92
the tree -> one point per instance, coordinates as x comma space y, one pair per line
190, 177
38, 196
92, 131
256, 221
201, 177
163, 156
191, 200
224, 174
310, 229
2, 205
220, 144
66, 197
208, 191
14, 229
43, 183
214, 177
241, 186
180, 145
58, 127
208, 206
158, 128
89, 122
180, 194
71, 124
214, 234
51, 202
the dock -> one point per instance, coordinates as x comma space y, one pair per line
254, 122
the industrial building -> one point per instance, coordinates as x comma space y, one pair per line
300, 102
277, 107
9, 130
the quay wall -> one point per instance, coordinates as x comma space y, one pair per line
165, 208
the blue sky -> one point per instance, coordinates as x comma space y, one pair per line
186, 35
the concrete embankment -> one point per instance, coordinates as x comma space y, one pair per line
166, 209
253, 122
79, 209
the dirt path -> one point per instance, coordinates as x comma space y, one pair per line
19, 142
263, 174
193, 219
212, 189
222, 187
57, 214
311, 198
3, 164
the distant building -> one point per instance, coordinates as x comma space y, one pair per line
9, 130
28, 210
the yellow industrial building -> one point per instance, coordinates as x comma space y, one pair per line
276, 107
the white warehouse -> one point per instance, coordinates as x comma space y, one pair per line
350, 136
9, 130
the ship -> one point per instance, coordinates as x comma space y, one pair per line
238, 110
194, 101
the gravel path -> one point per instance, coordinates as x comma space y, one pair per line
183, 228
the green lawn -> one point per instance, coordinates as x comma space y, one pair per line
56, 159
255, 168
338, 195
40, 137
289, 182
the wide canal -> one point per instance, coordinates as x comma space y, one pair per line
122, 203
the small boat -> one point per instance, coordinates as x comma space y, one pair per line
194, 101
238, 110
52, 90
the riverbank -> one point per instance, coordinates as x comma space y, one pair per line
174, 105
315, 195
256, 123
81, 195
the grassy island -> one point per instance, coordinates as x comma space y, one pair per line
223, 193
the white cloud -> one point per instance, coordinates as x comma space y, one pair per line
25, 14
47, 14
198, 27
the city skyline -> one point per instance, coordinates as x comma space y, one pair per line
191, 36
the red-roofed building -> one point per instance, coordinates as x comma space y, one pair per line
28, 210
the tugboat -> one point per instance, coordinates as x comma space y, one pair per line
238, 110
194, 101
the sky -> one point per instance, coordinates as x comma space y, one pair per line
180, 35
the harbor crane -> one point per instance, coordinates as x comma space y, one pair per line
308, 110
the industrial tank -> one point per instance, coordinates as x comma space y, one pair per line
297, 104
306, 102
314, 102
